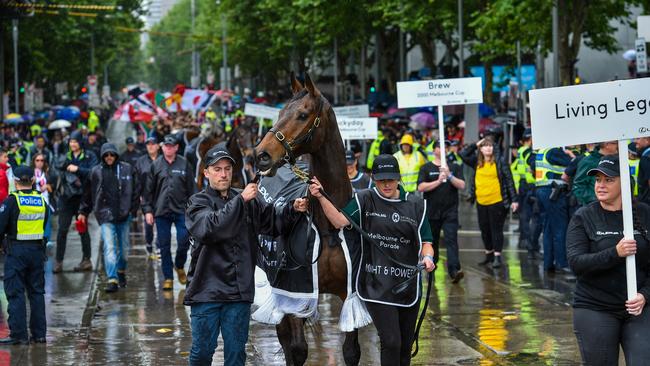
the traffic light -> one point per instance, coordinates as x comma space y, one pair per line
372, 89
84, 89
22, 90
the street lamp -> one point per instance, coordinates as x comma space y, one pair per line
224, 47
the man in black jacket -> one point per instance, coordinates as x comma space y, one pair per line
112, 194
225, 224
168, 186
131, 154
73, 172
142, 167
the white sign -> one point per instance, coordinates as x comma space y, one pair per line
352, 111
262, 111
643, 26
641, 56
426, 93
589, 113
357, 128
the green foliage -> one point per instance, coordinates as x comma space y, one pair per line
55, 48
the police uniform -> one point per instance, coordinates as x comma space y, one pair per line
524, 179
22, 220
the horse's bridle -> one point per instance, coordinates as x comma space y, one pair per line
289, 146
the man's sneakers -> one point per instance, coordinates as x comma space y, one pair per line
168, 285
182, 277
121, 278
457, 276
13, 341
58, 267
111, 286
84, 266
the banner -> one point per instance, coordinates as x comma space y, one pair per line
262, 111
352, 111
358, 128
581, 114
427, 93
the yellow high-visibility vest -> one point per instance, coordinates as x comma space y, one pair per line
409, 168
31, 219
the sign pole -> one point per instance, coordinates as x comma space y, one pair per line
441, 137
628, 230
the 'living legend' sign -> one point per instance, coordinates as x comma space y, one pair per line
572, 115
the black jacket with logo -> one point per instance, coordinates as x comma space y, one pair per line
591, 250
99, 198
168, 186
224, 252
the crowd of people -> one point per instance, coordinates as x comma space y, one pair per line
567, 194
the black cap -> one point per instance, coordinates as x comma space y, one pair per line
528, 133
217, 153
437, 143
349, 157
76, 135
170, 140
23, 173
385, 167
152, 140
631, 148
607, 165
130, 140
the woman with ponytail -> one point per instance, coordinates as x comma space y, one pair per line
603, 318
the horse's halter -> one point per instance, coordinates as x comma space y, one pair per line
289, 146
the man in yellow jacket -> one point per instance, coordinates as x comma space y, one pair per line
410, 161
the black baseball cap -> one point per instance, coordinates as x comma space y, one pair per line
437, 143
528, 133
607, 165
631, 147
23, 173
130, 140
152, 140
217, 153
349, 157
170, 140
385, 167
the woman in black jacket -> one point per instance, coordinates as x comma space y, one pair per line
494, 193
603, 317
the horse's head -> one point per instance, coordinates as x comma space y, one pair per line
299, 129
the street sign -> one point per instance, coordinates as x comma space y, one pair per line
643, 26
427, 93
352, 111
357, 128
580, 114
261, 111
641, 56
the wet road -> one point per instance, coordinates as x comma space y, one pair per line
516, 315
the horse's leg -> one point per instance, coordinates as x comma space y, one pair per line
291, 335
351, 348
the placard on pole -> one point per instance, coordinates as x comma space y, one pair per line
439, 93
582, 114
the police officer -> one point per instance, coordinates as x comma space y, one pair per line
358, 179
523, 176
410, 161
169, 184
22, 219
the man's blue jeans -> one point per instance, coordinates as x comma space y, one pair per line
164, 229
211, 318
116, 247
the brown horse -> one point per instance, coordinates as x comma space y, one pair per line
307, 125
